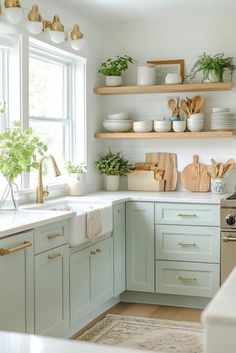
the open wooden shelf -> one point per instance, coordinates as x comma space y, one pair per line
186, 87
164, 135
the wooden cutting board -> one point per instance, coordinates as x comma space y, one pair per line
167, 162
195, 176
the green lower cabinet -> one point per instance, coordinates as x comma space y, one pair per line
91, 279
119, 248
16, 283
52, 291
140, 246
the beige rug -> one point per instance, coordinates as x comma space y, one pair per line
160, 336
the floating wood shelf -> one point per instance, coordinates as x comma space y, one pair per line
186, 87
164, 135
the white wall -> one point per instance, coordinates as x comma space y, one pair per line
171, 37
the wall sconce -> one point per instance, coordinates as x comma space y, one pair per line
34, 22
57, 32
13, 11
77, 40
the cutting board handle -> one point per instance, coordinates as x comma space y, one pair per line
195, 159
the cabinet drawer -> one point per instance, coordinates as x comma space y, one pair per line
195, 279
50, 236
187, 214
188, 243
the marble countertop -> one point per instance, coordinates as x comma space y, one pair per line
23, 343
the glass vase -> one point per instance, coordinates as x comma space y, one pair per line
9, 191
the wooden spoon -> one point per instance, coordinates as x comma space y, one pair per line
189, 104
220, 170
228, 166
198, 104
172, 105
184, 107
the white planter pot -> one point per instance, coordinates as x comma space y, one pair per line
112, 182
76, 184
113, 81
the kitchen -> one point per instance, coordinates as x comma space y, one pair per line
158, 37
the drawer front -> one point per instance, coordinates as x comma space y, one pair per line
187, 214
187, 243
50, 236
195, 279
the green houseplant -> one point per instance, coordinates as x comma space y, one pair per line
18, 153
113, 165
77, 178
212, 67
113, 68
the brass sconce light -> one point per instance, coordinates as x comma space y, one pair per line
13, 11
34, 21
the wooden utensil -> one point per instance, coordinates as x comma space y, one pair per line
172, 106
184, 107
220, 170
195, 176
189, 105
167, 162
228, 166
199, 100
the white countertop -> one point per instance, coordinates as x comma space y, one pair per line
22, 343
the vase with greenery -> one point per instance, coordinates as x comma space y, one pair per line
77, 178
113, 68
18, 153
112, 165
212, 67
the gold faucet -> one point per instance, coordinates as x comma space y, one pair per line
40, 192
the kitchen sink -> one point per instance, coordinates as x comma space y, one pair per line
77, 233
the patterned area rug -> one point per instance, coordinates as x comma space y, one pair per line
160, 336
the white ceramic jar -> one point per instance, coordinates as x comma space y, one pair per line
146, 75
173, 79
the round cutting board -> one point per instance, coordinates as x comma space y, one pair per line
195, 176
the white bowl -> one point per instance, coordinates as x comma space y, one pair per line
162, 125
143, 126
197, 116
195, 125
118, 126
179, 126
118, 116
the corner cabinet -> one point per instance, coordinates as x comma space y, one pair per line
16, 283
140, 246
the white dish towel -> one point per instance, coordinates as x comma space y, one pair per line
93, 224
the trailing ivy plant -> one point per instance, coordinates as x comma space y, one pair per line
76, 168
112, 164
114, 67
18, 153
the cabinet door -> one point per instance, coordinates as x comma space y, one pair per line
119, 248
52, 292
102, 271
140, 246
16, 283
80, 285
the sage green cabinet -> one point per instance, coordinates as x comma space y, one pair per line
16, 283
140, 246
119, 248
91, 278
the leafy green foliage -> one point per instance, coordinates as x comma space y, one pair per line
114, 67
18, 152
2, 107
112, 164
216, 64
73, 168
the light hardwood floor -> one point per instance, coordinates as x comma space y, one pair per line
149, 311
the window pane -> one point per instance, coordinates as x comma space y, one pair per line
46, 82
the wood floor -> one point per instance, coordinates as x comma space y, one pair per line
149, 311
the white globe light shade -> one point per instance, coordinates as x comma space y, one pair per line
57, 36
13, 14
34, 27
77, 44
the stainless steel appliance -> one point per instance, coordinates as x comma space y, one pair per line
228, 235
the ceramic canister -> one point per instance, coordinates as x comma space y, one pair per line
146, 75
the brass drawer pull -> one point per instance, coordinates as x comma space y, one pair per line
228, 238
98, 251
187, 278
7, 251
186, 215
92, 252
187, 244
54, 235
54, 256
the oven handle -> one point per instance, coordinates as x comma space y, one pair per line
227, 239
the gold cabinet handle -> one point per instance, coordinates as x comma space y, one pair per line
7, 251
187, 278
54, 256
187, 244
92, 252
53, 236
98, 251
186, 215
228, 238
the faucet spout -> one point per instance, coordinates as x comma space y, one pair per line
40, 192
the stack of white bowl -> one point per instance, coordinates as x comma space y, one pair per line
222, 119
162, 125
195, 122
118, 122
143, 126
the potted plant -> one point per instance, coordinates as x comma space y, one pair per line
18, 153
113, 165
77, 178
112, 69
212, 67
